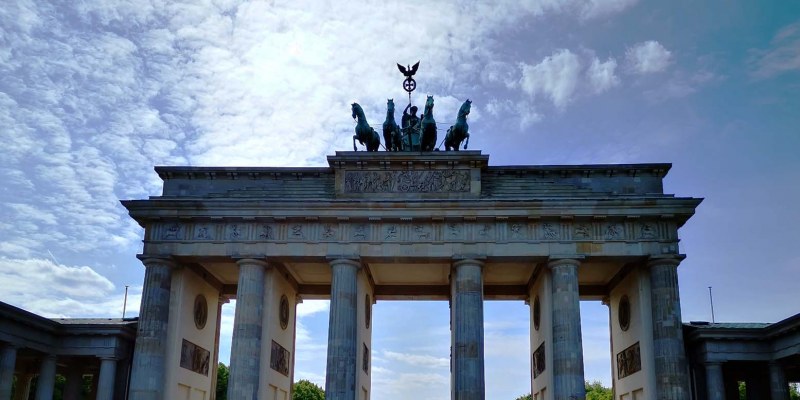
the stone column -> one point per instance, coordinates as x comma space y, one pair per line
8, 361
247, 326
672, 379
467, 323
715, 382
149, 355
105, 383
567, 343
297, 300
778, 386
23, 390
215, 361
72, 388
340, 375
47, 378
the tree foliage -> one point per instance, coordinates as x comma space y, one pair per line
594, 391
307, 390
222, 381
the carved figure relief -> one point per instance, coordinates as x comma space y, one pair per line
202, 233
297, 231
234, 232
360, 232
613, 231
485, 231
436, 181
549, 232
516, 231
582, 231
172, 232
538, 361
195, 358
421, 232
648, 232
328, 231
266, 232
279, 358
629, 361
454, 230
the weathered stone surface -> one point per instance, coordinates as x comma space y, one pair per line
567, 342
467, 322
340, 376
246, 366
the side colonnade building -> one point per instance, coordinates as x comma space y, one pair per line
393, 226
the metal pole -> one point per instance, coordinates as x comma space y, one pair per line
125, 302
711, 297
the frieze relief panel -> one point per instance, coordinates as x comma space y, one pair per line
500, 230
429, 181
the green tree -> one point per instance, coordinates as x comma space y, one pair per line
794, 391
222, 381
596, 391
306, 390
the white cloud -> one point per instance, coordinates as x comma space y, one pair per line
599, 8
57, 290
648, 57
556, 77
782, 56
418, 360
601, 74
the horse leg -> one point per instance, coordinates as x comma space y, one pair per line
467, 142
354, 142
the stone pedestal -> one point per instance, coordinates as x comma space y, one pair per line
8, 360
467, 325
715, 383
247, 328
778, 386
567, 343
149, 367
672, 380
47, 378
340, 375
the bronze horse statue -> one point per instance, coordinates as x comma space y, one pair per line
428, 137
391, 132
364, 133
460, 130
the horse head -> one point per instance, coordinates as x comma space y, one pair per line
464, 110
428, 105
390, 105
356, 109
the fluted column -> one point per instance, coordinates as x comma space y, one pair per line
778, 386
8, 361
215, 362
672, 379
247, 327
149, 356
468, 361
715, 382
105, 383
47, 378
340, 375
568, 380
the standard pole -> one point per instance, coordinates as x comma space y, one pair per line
125, 302
710, 297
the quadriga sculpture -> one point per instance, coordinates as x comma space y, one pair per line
460, 130
391, 132
364, 133
428, 136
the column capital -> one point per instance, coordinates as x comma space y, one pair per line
349, 260
224, 299
671, 259
152, 260
469, 260
252, 261
298, 299
557, 261
108, 358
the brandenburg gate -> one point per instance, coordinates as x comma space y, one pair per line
383, 226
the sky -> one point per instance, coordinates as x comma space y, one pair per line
93, 94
